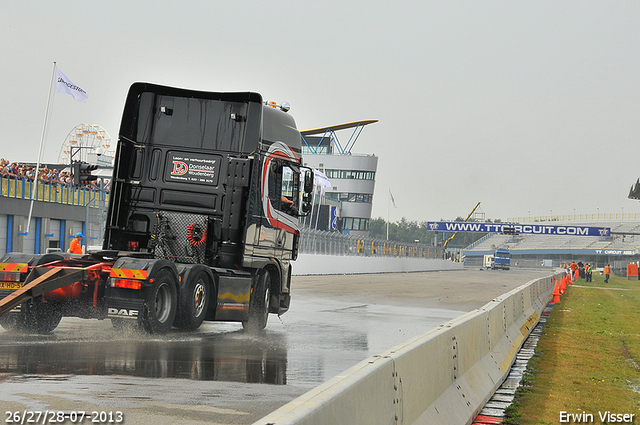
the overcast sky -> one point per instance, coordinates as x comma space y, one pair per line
527, 107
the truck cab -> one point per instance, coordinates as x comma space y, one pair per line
500, 259
211, 179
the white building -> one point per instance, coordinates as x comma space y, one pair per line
352, 176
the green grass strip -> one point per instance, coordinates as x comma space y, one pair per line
586, 362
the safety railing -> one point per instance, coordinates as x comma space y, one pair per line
48, 192
335, 243
621, 216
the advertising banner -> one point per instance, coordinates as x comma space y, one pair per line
524, 229
333, 218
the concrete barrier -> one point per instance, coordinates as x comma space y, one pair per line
444, 376
312, 264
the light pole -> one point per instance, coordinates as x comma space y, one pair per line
76, 149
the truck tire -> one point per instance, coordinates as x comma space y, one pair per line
160, 304
10, 321
37, 316
259, 304
194, 302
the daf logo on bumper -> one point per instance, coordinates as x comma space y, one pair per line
123, 312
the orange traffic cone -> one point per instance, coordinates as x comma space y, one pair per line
563, 285
556, 293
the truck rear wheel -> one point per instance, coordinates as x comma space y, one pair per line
194, 302
259, 304
161, 301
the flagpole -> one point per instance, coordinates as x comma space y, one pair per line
44, 132
388, 206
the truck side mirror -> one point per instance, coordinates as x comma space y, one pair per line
307, 199
308, 181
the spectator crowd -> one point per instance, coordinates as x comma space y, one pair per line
48, 175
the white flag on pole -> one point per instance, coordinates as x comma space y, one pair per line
393, 201
64, 85
320, 179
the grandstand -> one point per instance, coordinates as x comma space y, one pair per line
619, 249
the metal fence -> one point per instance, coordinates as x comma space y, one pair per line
335, 243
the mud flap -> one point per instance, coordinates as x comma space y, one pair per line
123, 306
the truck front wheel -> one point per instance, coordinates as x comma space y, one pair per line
259, 304
161, 301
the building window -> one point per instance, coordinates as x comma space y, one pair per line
350, 174
322, 150
351, 197
354, 223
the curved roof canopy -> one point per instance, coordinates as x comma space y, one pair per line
330, 131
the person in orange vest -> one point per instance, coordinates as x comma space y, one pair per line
75, 247
607, 271
573, 266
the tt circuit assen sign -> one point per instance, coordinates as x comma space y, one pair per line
526, 229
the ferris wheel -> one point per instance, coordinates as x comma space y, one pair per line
88, 143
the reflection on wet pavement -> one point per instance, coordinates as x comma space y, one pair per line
309, 345
231, 356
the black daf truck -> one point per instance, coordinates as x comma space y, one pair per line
202, 223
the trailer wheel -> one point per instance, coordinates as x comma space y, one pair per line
37, 316
194, 302
161, 301
10, 321
259, 304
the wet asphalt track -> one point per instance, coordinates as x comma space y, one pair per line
223, 375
